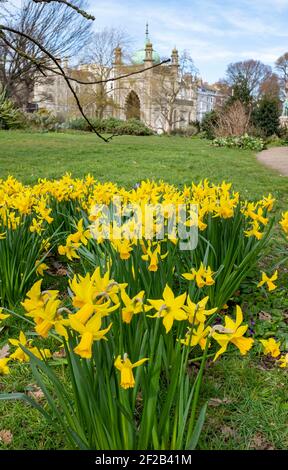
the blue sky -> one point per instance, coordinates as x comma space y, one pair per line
215, 32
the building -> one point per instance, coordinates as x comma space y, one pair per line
162, 96
208, 98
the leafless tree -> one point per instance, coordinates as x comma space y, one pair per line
100, 53
47, 23
270, 87
169, 85
232, 121
282, 66
252, 72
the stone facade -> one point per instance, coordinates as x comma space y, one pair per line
162, 97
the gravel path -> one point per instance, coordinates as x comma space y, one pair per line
276, 158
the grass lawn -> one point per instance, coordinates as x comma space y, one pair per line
249, 407
128, 159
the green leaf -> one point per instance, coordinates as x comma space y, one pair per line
198, 428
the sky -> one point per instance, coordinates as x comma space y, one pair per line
215, 32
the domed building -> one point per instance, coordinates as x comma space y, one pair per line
161, 96
157, 92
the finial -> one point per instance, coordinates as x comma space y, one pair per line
147, 32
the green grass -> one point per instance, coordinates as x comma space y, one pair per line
251, 407
254, 408
128, 159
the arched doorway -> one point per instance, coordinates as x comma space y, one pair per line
132, 106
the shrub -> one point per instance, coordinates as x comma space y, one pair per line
188, 131
266, 116
208, 124
42, 120
10, 117
245, 142
111, 125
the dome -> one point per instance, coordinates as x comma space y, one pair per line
138, 57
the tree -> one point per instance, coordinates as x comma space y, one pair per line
249, 74
46, 23
282, 66
100, 54
169, 84
265, 116
232, 120
240, 92
270, 87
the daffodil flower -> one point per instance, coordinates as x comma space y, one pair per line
4, 369
133, 306
36, 299
40, 268
3, 316
197, 312
169, 308
125, 366
271, 347
284, 222
197, 336
234, 334
283, 361
202, 276
153, 256
269, 281
89, 332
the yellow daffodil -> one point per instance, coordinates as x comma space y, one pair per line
36, 226
284, 222
70, 249
269, 281
197, 336
82, 235
268, 202
133, 306
254, 231
169, 308
123, 247
196, 311
125, 366
3, 316
271, 347
2, 236
89, 332
19, 354
95, 289
153, 256
47, 317
41, 268
202, 276
283, 361
36, 299
233, 332
4, 369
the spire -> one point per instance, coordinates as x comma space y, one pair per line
147, 33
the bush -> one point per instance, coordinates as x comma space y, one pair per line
42, 120
266, 116
10, 117
245, 142
188, 131
111, 125
208, 124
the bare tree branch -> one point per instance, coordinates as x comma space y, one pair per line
52, 58
69, 4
